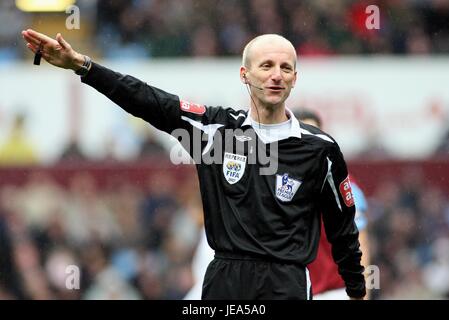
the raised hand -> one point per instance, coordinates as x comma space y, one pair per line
57, 52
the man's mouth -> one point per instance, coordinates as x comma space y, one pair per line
275, 88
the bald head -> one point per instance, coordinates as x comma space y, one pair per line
271, 40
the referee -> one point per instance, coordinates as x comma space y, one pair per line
262, 218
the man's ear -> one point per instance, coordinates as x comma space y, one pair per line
243, 72
294, 80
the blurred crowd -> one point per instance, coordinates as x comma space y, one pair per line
409, 230
135, 239
324, 27
166, 28
128, 240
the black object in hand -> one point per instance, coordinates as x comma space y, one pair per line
38, 55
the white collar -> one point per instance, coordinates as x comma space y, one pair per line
295, 130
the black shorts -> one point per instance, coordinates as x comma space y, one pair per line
237, 277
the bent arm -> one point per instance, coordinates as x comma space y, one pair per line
337, 207
364, 247
361, 221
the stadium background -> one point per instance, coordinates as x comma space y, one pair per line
83, 183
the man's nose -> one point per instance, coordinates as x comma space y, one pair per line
276, 75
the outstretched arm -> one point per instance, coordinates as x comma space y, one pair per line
159, 108
57, 52
136, 97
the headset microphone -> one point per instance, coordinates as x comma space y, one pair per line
254, 86
249, 83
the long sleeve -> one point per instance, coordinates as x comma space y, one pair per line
165, 111
159, 108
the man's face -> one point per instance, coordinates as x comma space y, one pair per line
272, 67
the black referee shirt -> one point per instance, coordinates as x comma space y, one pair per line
272, 214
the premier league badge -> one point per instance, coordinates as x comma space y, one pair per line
233, 167
286, 187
